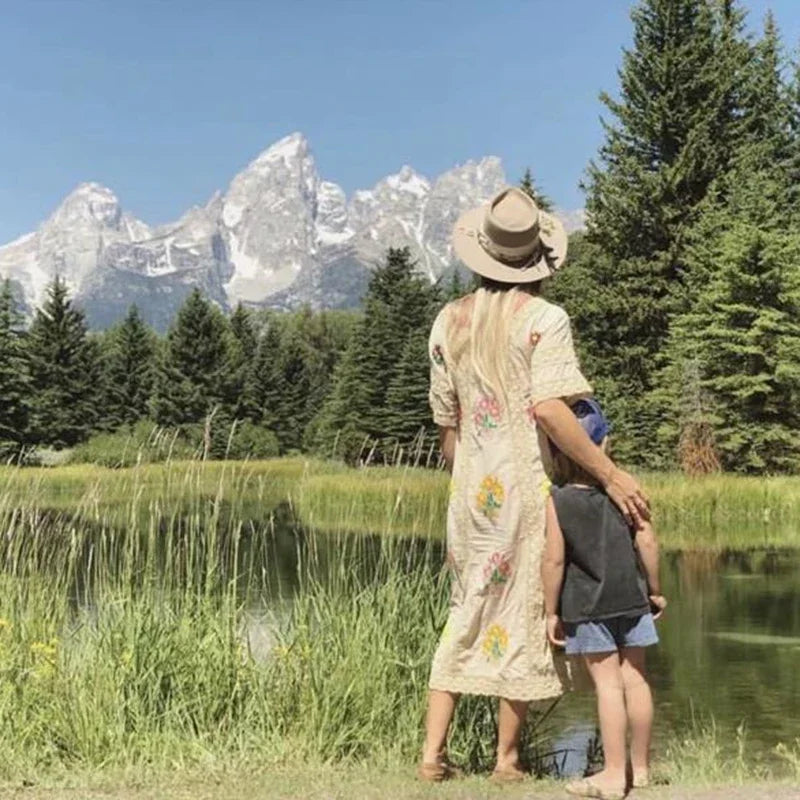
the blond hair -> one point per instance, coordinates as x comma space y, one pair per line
481, 331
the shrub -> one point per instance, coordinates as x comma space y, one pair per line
147, 443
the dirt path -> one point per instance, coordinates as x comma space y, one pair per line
332, 785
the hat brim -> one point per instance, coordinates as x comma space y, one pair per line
469, 250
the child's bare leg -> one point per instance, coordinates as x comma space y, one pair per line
441, 706
639, 702
607, 676
511, 718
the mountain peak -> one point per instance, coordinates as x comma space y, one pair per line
92, 201
279, 236
408, 180
291, 147
91, 192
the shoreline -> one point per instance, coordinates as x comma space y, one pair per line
360, 783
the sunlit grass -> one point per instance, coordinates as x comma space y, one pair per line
716, 512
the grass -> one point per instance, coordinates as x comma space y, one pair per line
131, 644
332, 783
715, 512
129, 639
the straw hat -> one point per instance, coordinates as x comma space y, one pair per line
510, 240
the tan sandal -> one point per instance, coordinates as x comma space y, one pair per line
508, 775
438, 772
585, 788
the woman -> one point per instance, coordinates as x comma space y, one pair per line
503, 371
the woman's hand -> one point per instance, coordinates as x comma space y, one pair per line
557, 420
626, 493
555, 630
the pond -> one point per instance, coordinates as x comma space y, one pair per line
729, 651
730, 641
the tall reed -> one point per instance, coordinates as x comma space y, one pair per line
148, 628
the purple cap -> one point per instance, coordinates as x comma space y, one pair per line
591, 418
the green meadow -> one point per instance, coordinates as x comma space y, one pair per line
716, 511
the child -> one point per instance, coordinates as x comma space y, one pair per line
601, 606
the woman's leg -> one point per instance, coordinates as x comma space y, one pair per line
639, 702
606, 673
441, 706
511, 718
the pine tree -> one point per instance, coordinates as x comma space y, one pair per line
64, 367
407, 411
742, 341
241, 400
267, 378
14, 380
792, 164
528, 186
398, 302
765, 127
193, 377
733, 359
675, 126
130, 354
294, 370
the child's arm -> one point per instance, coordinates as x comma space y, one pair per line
553, 573
647, 546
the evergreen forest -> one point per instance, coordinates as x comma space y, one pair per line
684, 294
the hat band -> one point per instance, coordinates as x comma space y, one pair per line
518, 257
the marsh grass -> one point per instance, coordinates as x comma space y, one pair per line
704, 755
127, 634
142, 627
712, 512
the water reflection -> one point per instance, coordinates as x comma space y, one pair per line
729, 646
730, 641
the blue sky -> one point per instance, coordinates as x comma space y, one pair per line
163, 101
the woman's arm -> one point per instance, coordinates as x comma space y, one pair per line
553, 573
558, 422
447, 440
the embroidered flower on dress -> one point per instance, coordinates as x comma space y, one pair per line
437, 355
535, 338
545, 486
496, 572
487, 413
490, 496
495, 643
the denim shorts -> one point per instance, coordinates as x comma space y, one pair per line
608, 635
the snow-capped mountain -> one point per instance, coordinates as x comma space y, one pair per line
279, 236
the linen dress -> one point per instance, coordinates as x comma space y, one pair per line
494, 641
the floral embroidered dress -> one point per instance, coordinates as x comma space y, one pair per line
494, 641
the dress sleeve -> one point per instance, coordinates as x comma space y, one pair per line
555, 371
442, 396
